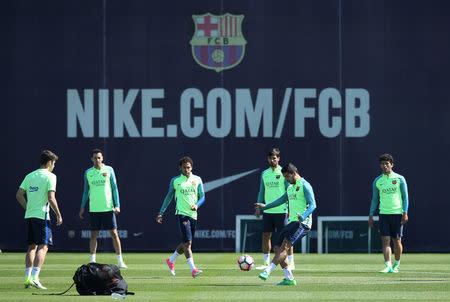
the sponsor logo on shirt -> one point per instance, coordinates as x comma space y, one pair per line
187, 191
33, 189
389, 190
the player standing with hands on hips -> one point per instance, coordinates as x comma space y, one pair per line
39, 187
301, 203
189, 196
390, 195
100, 186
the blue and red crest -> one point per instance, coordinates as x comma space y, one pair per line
218, 42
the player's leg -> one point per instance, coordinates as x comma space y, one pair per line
110, 223
39, 259
31, 252
280, 222
279, 250
397, 234
93, 245
95, 226
190, 225
296, 231
29, 259
268, 228
384, 227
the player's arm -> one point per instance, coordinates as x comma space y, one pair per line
405, 199
54, 206
375, 201
166, 201
262, 191
273, 204
115, 191
201, 197
310, 201
85, 196
20, 196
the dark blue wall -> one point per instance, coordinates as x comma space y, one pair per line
393, 54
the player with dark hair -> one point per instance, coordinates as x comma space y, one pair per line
301, 203
189, 196
390, 196
39, 187
272, 186
100, 187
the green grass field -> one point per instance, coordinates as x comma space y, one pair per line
332, 277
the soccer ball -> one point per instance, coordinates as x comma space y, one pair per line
246, 262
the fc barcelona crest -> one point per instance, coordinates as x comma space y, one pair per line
218, 42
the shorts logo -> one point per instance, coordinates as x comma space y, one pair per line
185, 222
218, 42
278, 176
394, 182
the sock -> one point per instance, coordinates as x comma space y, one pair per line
266, 258
35, 272
288, 273
397, 262
190, 261
28, 272
271, 268
93, 257
388, 263
119, 258
174, 257
291, 259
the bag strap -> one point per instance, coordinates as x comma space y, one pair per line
55, 294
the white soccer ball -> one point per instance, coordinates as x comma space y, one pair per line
246, 262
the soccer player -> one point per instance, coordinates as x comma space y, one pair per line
273, 186
39, 187
301, 203
390, 196
100, 186
189, 196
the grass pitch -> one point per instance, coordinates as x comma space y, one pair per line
331, 277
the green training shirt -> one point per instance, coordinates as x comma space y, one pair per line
272, 186
187, 192
391, 192
37, 184
100, 186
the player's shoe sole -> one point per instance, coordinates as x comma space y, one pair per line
27, 283
264, 275
287, 282
37, 284
196, 273
386, 270
171, 267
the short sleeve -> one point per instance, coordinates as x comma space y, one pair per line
23, 185
52, 183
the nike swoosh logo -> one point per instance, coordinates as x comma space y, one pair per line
137, 234
211, 185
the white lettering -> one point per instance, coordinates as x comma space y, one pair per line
301, 111
353, 113
122, 114
325, 96
224, 128
149, 112
188, 128
75, 111
244, 108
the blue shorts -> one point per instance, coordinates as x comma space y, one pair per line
292, 232
187, 227
102, 221
390, 225
39, 231
273, 222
